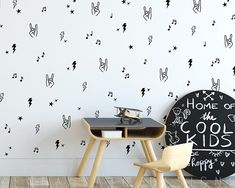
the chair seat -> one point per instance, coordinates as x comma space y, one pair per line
158, 165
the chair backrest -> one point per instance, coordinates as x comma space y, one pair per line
177, 156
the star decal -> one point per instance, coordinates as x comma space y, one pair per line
20, 118
18, 11
130, 47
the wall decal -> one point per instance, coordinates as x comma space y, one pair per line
107, 143
14, 75
74, 65
95, 9
145, 61
127, 76
30, 100
190, 63
14, 2
36, 150
168, 3
228, 42
234, 71
20, 118
62, 34
83, 143
44, 9
9, 150
50, 80
149, 109
197, 6
84, 86
37, 128
98, 42
128, 147
173, 49
131, 47
13, 48
103, 65
33, 30
170, 94
89, 35
124, 26
125, 2
225, 3
147, 13
42, 56
163, 74
233, 17
193, 28
1, 97
217, 61
18, 11
150, 39
110, 94
66, 122
7, 128
97, 114
58, 144
143, 91
213, 24
204, 44
188, 83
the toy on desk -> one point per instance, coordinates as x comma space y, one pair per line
129, 115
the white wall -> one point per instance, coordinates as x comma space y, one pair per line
17, 147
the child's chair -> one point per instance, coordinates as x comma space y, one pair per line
174, 158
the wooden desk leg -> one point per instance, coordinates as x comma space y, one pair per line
86, 156
147, 155
96, 164
145, 151
151, 153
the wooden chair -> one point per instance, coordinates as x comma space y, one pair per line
174, 158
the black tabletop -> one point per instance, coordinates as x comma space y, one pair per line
115, 122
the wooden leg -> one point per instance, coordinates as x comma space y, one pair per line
160, 180
86, 156
96, 164
145, 151
147, 155
139, 178
151, 153
181, 179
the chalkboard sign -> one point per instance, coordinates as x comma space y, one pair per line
206, 118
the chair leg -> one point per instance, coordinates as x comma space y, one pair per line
139, 178
160, 180
181, 179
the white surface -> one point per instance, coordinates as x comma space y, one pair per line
68, 87
111, 134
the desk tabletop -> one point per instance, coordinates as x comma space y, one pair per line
115, 122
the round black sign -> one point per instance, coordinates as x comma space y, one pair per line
206, 118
